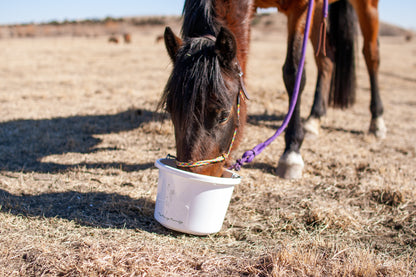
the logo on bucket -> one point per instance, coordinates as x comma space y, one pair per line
170, 219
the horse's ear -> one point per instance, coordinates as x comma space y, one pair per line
226, 46
172, 42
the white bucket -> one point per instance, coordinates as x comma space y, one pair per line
192, 203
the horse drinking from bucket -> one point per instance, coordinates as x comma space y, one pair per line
205, 92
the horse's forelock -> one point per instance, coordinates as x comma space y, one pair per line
196, 81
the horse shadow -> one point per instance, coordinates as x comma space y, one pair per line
265, 120
92, 209
263, 167
343, 130
24, 142
271, 122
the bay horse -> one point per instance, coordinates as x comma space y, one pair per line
205, 92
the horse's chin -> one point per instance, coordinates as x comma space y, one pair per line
215, 170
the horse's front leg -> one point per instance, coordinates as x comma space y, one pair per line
291, 163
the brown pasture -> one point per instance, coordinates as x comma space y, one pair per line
79, 135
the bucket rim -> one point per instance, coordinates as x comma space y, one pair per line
234, 180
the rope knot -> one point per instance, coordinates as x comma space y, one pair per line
249, 156
237, 166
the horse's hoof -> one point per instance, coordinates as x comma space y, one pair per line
312, 127
378, 128
290, 166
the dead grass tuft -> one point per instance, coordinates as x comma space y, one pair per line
387, 196
323, 260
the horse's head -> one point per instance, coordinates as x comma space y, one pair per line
202, 96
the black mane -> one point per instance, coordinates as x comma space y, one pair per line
195, 82
199, 18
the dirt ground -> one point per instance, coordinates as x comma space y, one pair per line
79, 135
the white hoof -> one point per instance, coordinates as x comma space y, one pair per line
290, 166
378, 128
312, 127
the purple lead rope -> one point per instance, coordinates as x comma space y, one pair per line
249, 155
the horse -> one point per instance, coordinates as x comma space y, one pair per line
113, 39
205, 92
127, 38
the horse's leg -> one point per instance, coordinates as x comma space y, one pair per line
291, 163
324, 65
368, 17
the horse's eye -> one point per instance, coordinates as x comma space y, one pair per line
223, 117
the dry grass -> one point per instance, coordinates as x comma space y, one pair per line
79, 135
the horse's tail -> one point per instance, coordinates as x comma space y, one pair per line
342, 34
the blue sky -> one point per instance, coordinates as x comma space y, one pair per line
400, 12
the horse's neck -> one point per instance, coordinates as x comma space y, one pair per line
236, 15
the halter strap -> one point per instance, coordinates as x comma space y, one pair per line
243, 87
211, 37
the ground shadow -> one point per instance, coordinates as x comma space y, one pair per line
265, 120
264, 167
342, 130
92, 209
23, 143
398, 76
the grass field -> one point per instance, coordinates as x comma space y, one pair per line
79, 135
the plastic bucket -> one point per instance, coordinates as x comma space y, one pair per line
192, 203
